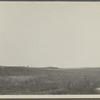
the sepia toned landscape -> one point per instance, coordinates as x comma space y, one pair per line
49, 80
49, 48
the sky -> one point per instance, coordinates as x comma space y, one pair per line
42, 34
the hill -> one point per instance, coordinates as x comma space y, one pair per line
50, 80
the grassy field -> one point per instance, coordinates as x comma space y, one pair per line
31, 81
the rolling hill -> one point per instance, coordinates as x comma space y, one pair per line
48, 80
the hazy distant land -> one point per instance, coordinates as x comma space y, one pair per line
48, 80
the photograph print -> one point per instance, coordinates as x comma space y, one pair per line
49, 48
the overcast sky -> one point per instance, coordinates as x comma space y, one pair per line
50, 34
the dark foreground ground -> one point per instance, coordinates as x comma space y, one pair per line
30, 81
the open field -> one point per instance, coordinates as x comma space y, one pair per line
26, 80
